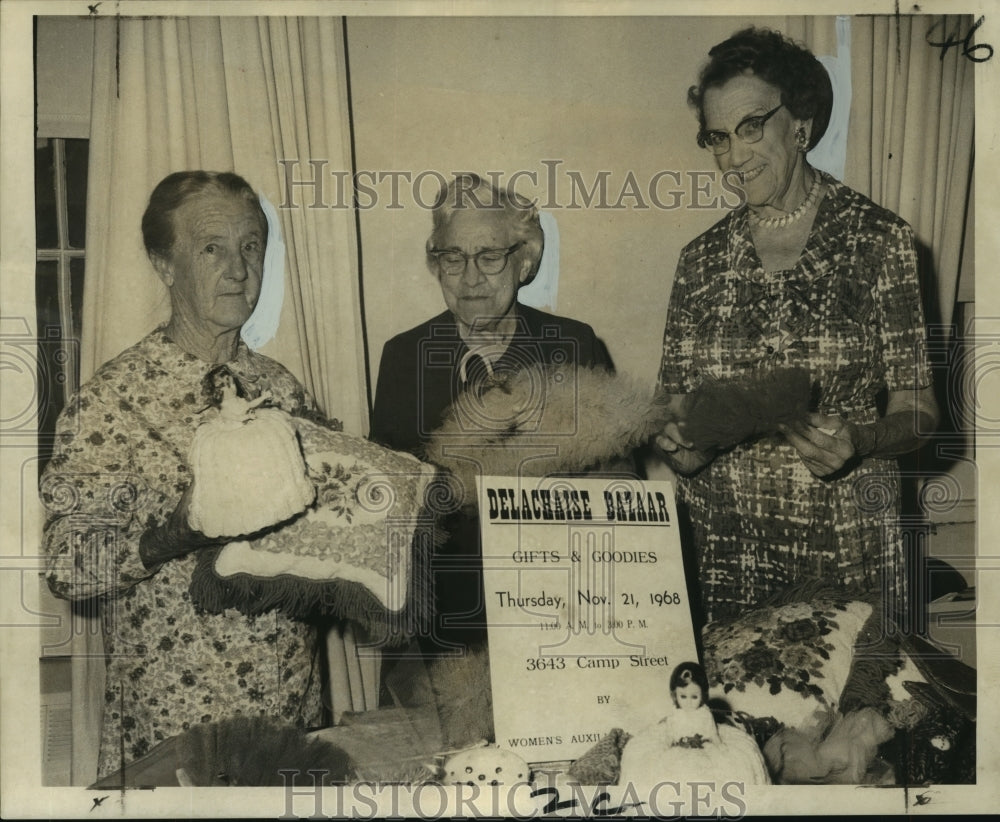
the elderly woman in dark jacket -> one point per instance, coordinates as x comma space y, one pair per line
485, 244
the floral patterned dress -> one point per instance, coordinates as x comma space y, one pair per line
849, 312
120, 468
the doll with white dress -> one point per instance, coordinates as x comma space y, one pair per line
688, 745
246, 461
692, 724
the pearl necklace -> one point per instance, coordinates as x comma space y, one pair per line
791, 217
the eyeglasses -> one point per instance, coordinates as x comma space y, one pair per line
490, 261
749, 130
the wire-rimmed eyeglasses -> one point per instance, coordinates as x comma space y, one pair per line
749, 130
489, 261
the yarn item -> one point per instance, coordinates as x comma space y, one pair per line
719, 414
249, 473
253, 751
486, 766
359, 552
565, 419
601, 764
650, 757
464, 696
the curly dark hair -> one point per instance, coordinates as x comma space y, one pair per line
806, 90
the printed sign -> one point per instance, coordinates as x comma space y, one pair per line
587, 609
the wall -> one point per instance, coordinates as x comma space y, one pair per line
65, 58
555, 97
506, 94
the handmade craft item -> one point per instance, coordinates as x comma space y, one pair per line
688, 745
564, 419
485, 765
814, 676
842, 752
359, 550
719, 414
543, 420
252, 751
247, 466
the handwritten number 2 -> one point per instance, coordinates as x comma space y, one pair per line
598, 806
968, 48
553, 804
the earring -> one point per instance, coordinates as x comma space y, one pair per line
801, 138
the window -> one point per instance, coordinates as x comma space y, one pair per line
60, 228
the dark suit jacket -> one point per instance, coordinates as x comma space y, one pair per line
418, 375
417, 380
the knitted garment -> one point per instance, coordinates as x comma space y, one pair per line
248, 473
357, 552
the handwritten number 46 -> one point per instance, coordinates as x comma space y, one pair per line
968, 48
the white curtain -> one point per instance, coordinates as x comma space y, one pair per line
911, 147
240, 94
910, 140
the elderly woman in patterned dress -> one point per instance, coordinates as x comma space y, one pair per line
118, 487
807, 273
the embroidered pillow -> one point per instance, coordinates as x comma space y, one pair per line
358, 552
785, 662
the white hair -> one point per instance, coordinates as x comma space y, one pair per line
472, 191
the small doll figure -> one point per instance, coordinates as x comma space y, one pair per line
227, 394
692, 724
247, 464
687, 745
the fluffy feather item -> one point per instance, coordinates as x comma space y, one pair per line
252, 751
564, 419
544, 420
464, 696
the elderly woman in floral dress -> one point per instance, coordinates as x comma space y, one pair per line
118, 488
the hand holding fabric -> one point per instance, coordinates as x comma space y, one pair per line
825, 443
681, 452
720, 414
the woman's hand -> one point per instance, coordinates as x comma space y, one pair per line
671, 440
825, 443
680, 452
